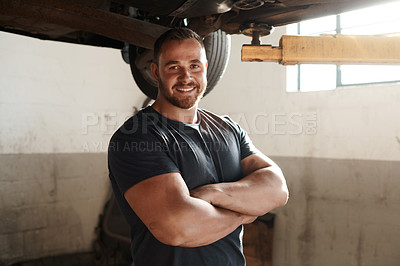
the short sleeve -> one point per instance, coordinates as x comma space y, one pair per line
133, 158
246, 145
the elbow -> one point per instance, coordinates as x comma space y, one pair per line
172, 234
172, 240
279, 200
283, 197
168, 236
176, 239
282, 192
276, 199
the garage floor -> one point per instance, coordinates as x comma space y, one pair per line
81, 259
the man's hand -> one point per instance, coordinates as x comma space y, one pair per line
207, 192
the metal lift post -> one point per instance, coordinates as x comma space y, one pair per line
327, 49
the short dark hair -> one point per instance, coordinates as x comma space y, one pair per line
175, 34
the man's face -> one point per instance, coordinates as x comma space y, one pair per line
181, 72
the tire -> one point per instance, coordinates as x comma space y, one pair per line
218, 48
217, 45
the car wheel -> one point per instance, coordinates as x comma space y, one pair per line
217, 45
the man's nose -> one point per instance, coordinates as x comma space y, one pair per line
185, 73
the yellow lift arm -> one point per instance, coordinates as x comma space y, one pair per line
327, 49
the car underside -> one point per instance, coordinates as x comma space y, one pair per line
133, 25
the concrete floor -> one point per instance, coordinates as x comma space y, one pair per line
80, 259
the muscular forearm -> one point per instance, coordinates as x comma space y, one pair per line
256, 194
198, 223
174, 217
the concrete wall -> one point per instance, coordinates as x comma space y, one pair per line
59, 104
340, 152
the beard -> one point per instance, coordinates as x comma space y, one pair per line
183, 102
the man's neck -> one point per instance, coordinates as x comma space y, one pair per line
187, 116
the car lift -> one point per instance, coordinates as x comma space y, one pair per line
326, 49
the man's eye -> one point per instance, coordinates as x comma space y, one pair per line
195, 66
173, 67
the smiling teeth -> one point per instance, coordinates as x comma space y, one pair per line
185, 89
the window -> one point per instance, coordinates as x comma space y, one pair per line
378, 20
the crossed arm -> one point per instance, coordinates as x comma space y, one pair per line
262, 189
179, 217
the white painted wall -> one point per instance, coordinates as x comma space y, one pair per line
61, 98
59, 105
360, 122
340, 152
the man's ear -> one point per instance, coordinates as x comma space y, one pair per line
154, 70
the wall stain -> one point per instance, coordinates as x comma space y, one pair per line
307, 237
359, 252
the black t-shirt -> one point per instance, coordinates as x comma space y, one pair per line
149, 144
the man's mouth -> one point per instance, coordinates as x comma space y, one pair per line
185, 89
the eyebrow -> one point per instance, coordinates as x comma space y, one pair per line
177, 62
171, 63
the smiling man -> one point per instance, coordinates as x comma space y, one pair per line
181, 75
187, 179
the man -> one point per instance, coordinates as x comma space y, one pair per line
185, 178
